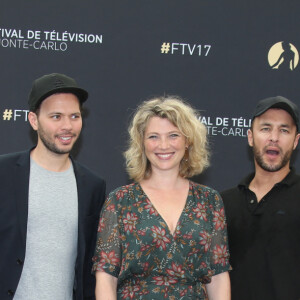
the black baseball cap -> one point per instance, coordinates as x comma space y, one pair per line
50, 84
277, 102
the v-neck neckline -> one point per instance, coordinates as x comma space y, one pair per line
179, 221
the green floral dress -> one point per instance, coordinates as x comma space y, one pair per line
135, 244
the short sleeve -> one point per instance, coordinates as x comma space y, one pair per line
219, 253
107, 257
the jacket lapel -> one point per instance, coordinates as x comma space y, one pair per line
80, 178
21, 185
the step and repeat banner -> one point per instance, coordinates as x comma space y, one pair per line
221, 56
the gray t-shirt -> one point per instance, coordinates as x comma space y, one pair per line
52, 232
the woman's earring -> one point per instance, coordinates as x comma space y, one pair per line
186, 154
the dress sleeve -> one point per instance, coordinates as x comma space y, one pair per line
107, 255
219, 253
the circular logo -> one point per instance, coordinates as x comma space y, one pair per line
283, 56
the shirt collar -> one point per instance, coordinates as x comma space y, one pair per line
289, 179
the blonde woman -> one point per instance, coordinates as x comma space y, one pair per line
164, 236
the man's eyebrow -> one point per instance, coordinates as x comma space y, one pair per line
269, 124
265, 124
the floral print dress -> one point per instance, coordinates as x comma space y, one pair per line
134, 244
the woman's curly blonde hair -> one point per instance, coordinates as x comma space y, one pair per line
181, 115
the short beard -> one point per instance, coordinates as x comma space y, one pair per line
51, 146
271, 168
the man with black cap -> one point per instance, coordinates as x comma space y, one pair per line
263, 211
50, 204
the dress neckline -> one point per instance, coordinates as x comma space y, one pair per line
179, 221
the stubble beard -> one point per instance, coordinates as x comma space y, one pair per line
258, 157
51, 146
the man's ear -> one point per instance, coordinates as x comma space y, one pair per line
33, 120
250, 137
296, 141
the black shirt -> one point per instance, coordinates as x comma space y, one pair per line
264, 240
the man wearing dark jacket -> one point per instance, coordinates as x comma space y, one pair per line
263, 211
49, 203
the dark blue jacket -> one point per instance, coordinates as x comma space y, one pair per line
14, 185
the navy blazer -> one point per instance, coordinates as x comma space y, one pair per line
14, 186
